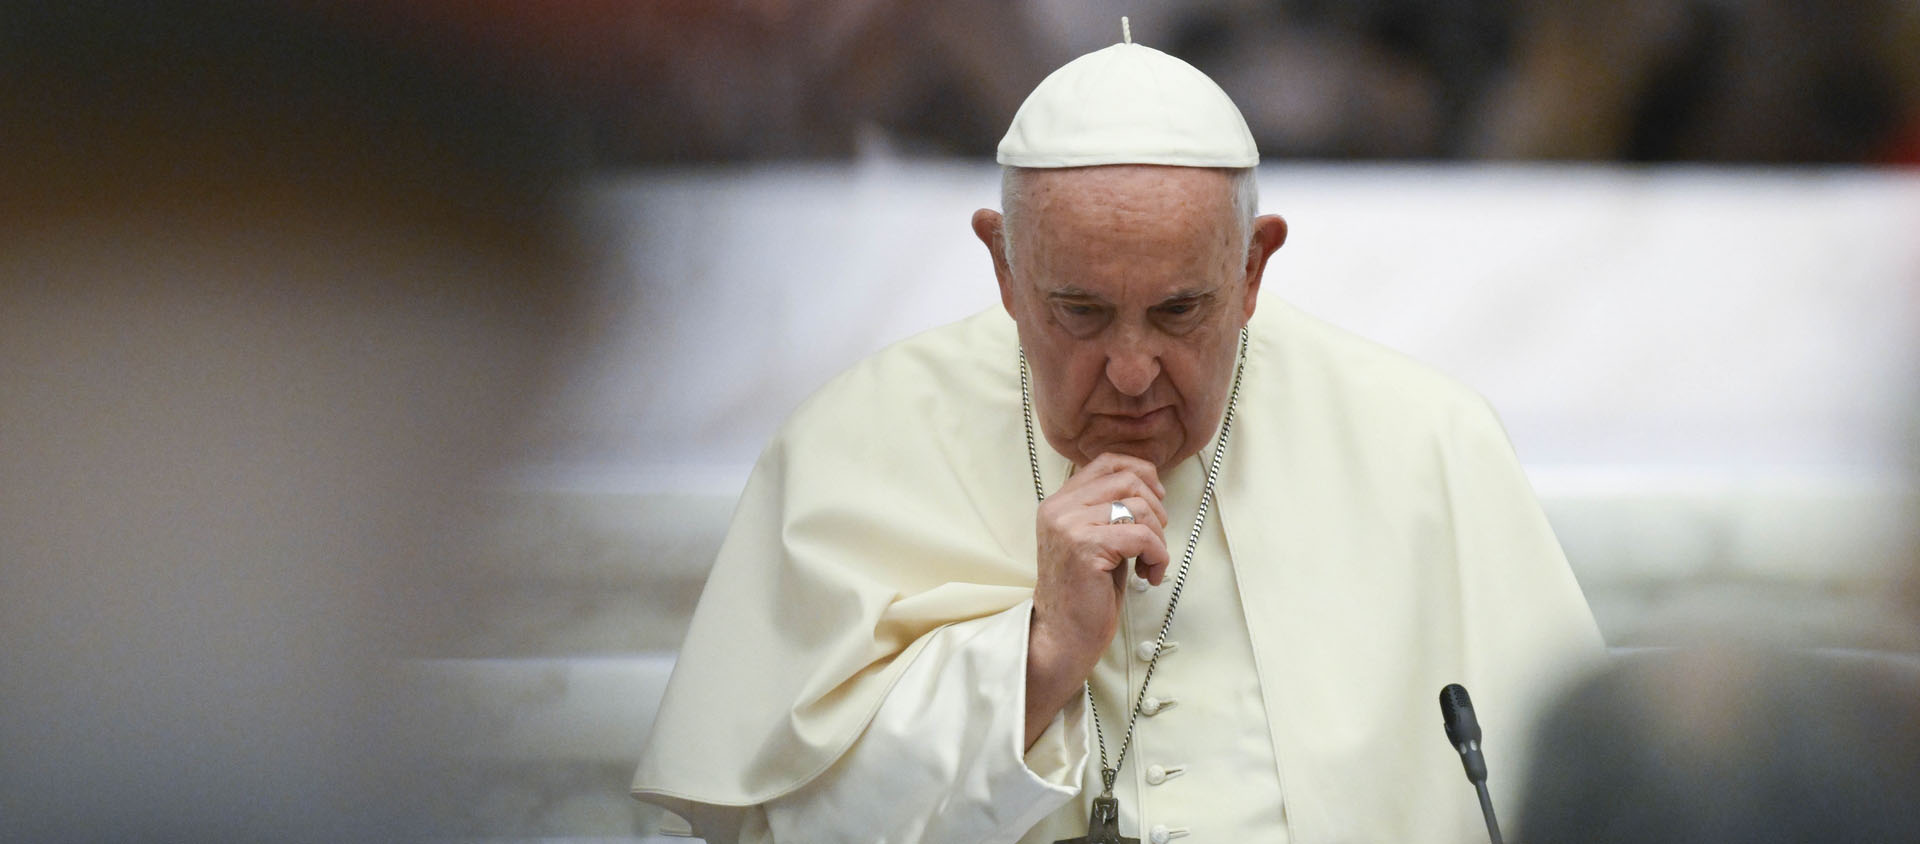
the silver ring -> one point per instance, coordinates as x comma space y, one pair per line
1119, 515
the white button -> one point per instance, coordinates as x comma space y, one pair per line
1151, 706
1146, 650
1160, 834
1155, 776
1138, 583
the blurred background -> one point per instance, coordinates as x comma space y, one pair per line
1725, 81
376, 378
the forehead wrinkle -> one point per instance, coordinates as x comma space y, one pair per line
1109, 205
1123, 204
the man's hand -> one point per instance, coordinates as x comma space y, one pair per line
1083, 572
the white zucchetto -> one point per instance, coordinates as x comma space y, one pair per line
1128, 104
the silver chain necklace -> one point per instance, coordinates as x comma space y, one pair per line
1109, 772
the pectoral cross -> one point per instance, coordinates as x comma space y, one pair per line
1103, 826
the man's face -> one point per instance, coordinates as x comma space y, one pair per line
1129, 285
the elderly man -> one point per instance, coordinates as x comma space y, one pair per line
1261, 545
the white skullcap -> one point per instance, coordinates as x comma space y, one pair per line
1128, 104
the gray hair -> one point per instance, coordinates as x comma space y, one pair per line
1246, 203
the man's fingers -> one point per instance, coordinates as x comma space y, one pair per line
1110, 546
1144, 512
1150, 573
1099, 495
1079, 523
1110, 464
1144, 542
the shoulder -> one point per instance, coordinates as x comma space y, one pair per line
1320, 368
975, 353
934, 418
917, 382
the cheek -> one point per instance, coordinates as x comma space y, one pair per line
1203, 379
1079, 377
1064, 380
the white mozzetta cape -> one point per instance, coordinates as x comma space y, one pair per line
1383, 536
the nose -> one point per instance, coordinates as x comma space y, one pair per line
1132, 366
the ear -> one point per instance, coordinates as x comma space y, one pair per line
990, 226
1269, 232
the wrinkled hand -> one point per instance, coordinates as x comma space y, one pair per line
1083, 573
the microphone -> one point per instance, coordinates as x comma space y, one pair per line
1463, 731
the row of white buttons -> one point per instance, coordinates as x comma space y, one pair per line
1150, 706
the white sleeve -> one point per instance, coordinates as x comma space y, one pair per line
941, 763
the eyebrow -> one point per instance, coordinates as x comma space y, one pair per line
1189, 293
1073, 292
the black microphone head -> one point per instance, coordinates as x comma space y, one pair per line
1457, 710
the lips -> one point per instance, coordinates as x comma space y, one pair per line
1130, 426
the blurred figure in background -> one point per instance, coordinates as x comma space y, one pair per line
1732, 744
1777, 82
275, 296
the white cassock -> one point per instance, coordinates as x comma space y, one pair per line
855, 669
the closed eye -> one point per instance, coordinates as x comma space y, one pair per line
1080, 318
1182, 307
1178, 316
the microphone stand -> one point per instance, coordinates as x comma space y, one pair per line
1486, 810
